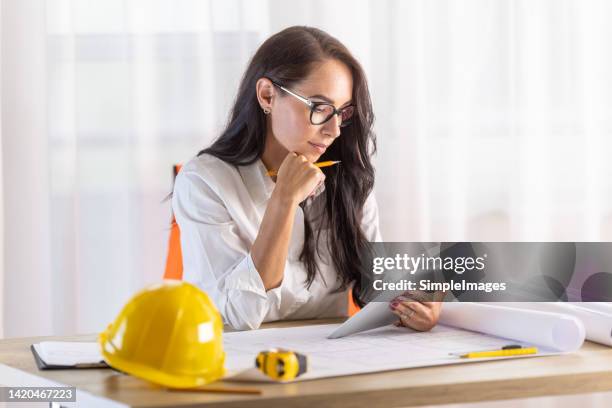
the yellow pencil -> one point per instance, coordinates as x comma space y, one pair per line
501, 353
328, 163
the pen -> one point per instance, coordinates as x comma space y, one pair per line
328, 163
504, 352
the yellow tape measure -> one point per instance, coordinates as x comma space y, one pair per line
280, 364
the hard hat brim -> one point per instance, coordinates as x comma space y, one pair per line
158, 376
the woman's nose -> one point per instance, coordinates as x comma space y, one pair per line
332, 126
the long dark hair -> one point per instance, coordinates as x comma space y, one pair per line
287, 57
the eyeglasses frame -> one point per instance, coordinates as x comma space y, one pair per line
312, 105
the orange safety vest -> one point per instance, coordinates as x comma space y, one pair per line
174, 260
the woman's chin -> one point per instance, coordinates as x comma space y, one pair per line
313, 157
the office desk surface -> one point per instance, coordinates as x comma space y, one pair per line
588, 370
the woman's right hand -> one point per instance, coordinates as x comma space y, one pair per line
297, 178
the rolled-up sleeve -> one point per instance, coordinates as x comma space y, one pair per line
216, 256
370, 222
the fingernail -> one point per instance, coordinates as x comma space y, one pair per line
394, 304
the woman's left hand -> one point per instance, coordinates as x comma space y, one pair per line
416, 314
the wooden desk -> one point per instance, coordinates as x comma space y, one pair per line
588, 370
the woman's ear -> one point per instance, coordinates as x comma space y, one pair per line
265, 94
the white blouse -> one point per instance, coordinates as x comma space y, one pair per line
219, 208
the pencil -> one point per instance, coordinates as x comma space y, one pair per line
328, 163
501, 353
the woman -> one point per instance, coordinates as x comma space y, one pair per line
286, 247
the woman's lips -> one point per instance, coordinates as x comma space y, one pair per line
319, 147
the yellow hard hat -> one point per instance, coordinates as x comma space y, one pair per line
169, 334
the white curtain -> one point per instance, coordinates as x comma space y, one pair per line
28, 291
491, 122
1, 201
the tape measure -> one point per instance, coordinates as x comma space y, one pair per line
280, 364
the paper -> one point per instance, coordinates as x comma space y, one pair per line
63, 353
373, 315
560, 332
597, 322
557, 331
385, 348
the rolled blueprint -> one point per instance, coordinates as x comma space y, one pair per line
594, 316
556, 331
603, 307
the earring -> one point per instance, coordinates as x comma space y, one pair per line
266, 110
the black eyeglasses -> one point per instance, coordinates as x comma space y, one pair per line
321, 112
